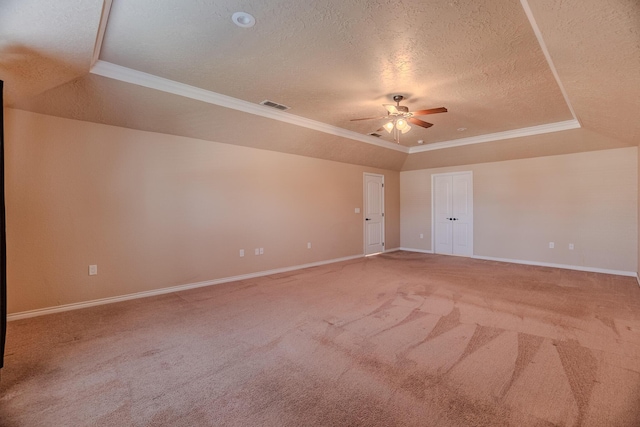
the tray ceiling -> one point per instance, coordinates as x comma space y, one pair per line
498, 66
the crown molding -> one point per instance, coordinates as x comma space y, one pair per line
128, 75
516, 133
547, 55
102, 28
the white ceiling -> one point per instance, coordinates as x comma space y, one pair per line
503, 68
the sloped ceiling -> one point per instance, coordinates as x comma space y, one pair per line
498, 66
595, 46
45, 44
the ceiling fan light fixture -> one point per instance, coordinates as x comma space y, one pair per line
390, 108
243, 19
399, 116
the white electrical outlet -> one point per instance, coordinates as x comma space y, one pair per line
570, 246
93, 270
261, 251
357, 210
421, 236
552, 245
309, 245
241, 252
257, 251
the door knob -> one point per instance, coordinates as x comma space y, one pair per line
367, 219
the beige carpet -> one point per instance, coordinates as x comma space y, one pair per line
400, 339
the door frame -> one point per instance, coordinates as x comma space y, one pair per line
433, 206
364, 212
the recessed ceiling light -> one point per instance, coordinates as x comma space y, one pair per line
461, 129
243, 19
421, 141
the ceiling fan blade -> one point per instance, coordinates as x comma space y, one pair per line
430, 111
419, 122
368, 118
391, 108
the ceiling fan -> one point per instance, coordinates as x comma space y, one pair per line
399, 117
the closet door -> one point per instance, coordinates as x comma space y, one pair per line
443, 212
453, 213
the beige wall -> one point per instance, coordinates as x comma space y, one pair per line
154, 210
588, 199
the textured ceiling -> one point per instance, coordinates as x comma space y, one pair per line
549, 144
44, 44
332, 61
595, 46
151, 110
335, 60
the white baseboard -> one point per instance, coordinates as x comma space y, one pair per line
110, 300
422, 251
564, 266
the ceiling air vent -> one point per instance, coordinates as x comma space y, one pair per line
377, 135
274, 105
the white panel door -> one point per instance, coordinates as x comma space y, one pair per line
443, 201
453, 213
462, 214
373, 213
